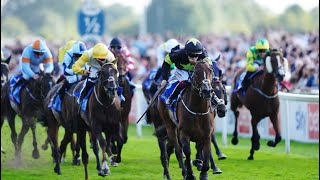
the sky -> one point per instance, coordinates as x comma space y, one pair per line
277, 6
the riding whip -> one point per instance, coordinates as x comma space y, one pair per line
153, 99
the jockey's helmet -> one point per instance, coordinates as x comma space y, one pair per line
78, 48
100, 51
39, 46
262, 44
193, 47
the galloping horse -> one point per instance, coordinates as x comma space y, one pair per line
4, 78
32, 96
261, 99
126, 106
104, 115
68, 118
196, 120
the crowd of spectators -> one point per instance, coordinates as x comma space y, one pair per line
301, 50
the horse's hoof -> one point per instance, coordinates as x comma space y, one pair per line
250, 158
216, 171
190, 177
222, 156
234, 141
271, 144
57, 170
44, 147
118, 159
198, 164
203, 176
166, 176
76, 161
101, 174
106, 172
113, 164
35, 154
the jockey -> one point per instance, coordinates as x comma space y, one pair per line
70, 57
119, 49
94, 57
32, 56
64, 49
162, 50
184, 60
255, 57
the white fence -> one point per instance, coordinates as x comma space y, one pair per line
299, 119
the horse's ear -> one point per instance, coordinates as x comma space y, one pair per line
268, 64
8, 59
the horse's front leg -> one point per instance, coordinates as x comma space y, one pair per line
173, 139
95, 147
185, 142
274, 121
81, 137
235, 139
164, 157
23, 132
35, 152
52, 132
105, 168
255, 145
206, 150
11, 121
221, 156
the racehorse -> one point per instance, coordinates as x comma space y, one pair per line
261, 98
126, 106
195, 119
4, 78
104, 115
70, 119
220, 108
32, 96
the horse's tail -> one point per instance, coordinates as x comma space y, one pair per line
43, 120
148, 117
160, 132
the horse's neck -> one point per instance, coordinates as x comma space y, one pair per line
267, 83
103, 97
195, 102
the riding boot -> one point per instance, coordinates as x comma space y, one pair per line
63, 89
176, 92
20, 81
245, 83
84, 92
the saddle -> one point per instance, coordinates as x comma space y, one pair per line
14, 93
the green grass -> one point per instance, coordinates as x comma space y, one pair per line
141, 160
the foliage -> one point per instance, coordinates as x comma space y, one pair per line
13, 26
57, 19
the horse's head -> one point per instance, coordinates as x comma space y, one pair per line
122, 68
276, 64
221, 93
4, 70
108, 78
202, 78
40, 87
4, 73
45, 82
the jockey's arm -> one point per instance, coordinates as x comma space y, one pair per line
166, 67
77, 66
67, 60
26, 67
48, 65
251, 67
